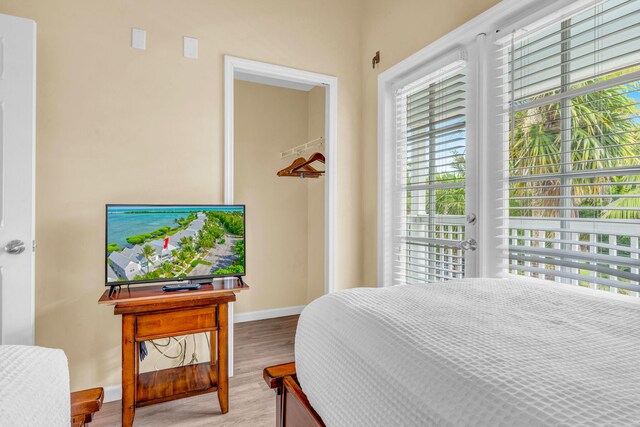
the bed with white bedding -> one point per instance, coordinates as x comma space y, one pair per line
34, 387
473, 352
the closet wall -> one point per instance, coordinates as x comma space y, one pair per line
284, 214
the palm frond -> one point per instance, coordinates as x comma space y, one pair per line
625, 207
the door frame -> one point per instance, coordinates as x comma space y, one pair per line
233, 65
388, 85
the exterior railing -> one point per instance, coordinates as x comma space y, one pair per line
599, 245
431, 252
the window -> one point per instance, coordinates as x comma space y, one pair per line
572, 131
429, 182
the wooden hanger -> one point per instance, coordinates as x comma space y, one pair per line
315, 157
308, 171
301, 167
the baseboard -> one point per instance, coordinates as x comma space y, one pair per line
114, 392
267, 314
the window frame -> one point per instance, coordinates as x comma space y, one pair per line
566, 174
387, 197
478, 37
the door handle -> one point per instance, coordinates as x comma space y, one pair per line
468, 245
14, 247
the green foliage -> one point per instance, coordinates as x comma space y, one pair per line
160, 231
181, 256
233, 222
627, 207
184, 222
238, 251
141, 238
136, 240
187, 243
195, 262
232, 269
166, 269
148, 276
449, 201
113, 247
205, 239
604, 134
238, 264
153, 275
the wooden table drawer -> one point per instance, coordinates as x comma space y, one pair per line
158, 325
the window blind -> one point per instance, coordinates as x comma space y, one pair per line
571, 92
430, 177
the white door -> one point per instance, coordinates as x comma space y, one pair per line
17, 169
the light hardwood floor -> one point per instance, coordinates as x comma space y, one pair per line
257, 345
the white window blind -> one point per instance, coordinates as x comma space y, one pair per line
572, 130
429, 196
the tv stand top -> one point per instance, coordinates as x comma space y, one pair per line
143, 294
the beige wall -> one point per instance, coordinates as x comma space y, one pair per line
397, 29
269, 120
118, 125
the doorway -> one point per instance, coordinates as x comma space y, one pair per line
258, 73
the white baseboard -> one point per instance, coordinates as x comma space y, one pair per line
114, 392
267, 314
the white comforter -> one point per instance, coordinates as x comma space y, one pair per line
34, 387
474, 352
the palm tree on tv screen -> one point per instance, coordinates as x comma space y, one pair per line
187, 243
147, 253
182, 257
166, 269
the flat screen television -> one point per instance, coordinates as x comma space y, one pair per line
168, 243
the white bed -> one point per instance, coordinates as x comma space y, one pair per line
473, 352
34, 387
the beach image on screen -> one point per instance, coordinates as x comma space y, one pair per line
174, 242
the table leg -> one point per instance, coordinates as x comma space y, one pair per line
128, 369
223, 358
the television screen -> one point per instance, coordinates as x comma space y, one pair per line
149, 243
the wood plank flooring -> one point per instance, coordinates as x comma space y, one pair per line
257, 345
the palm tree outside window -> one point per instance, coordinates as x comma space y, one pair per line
573, 148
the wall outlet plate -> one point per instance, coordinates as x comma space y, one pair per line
138, 38
190, 48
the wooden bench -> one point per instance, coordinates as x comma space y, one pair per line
84, 404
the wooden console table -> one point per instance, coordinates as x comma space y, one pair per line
149, 313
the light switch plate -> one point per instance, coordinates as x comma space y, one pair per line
190, 48
138, 38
